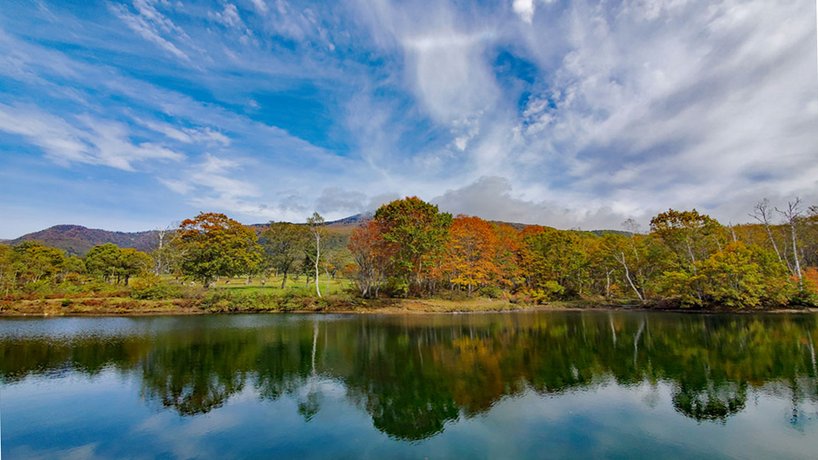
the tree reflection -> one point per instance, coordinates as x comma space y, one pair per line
412, 375
710, 403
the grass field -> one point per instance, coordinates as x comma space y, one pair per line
272, 286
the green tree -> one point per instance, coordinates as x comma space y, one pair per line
418, 233
284, 245
103, 261
692, 237
213, 245
555, 262
743, 276
133, 263
8, 270
38, 262
114, 264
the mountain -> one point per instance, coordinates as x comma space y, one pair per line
76, 239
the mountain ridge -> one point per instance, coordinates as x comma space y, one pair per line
78, 239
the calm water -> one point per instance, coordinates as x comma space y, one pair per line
519, 385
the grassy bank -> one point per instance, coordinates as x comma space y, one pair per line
241, 296
261, 302
253, 302
238, 296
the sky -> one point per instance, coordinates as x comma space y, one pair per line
575, 114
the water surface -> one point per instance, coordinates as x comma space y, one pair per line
511, 385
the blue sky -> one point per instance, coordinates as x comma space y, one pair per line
133, 115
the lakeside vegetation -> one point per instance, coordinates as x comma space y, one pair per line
410, 256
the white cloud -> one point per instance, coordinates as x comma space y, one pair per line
86, 140
187, 135
260, 5
524, 8
153, 26
229, 16
494, 198
337, 200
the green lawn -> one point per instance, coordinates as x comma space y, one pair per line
272, 286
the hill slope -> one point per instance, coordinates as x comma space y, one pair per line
76, 239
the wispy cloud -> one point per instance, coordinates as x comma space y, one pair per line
149, 23
86, 140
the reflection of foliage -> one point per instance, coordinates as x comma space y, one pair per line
194, 376
414, 374
309, 406
710, 403
406, 399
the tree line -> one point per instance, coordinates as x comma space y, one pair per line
411, 249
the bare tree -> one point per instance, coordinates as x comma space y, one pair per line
316, 222
163, 235
763, 214
793, 214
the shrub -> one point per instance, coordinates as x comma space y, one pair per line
492, 292
153, 288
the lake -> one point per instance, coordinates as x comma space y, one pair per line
510, 385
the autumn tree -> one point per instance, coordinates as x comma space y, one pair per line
741, 276
692, 237
470, 253
418, 232
554, 263
509, 274
284, 246
372, 254
213, 245
689, 234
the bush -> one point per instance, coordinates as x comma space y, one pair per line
153, 288
804, 298
492, 292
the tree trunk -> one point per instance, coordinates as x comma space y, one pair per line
317, 259
628, 277
795, 255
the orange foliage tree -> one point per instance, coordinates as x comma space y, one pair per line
371, 253
470, 251
507, 256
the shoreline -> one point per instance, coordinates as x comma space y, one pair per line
126, 307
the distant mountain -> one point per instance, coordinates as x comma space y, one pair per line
76, 239
346, 221
357, 219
